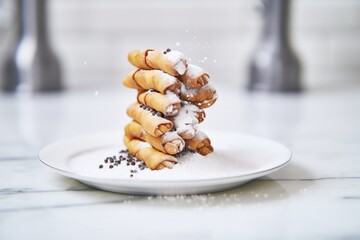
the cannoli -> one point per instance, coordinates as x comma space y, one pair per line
187, 120
168, 104
171, 97
200, 143
171, 62
143, 151
169, 142
138, 58
150, 120
194, 77
152, 79
202, 97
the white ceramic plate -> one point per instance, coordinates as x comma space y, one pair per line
237, 159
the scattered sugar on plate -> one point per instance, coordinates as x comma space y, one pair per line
229, 159
190, 166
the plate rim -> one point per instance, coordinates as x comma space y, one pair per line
154, 181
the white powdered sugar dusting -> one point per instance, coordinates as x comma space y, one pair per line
169, 136
175, 138
166, 77
201, 135
180, 142
177, 59
194, 71
183, 88
172, 97
190, 92
180, 67
187, 130
174, 56
170, 109
186, 120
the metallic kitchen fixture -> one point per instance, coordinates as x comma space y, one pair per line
275, 67
31, 64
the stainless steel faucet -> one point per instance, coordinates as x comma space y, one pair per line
31, 65
274, 66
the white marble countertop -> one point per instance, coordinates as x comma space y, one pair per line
316, 196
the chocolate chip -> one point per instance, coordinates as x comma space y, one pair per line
132, 163
164, 52
131, 175
101, 166
111, 166
168, 50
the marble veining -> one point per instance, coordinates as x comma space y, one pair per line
316, 196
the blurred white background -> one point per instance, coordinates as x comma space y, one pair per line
92, 37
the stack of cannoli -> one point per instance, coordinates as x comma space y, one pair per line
172, 95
